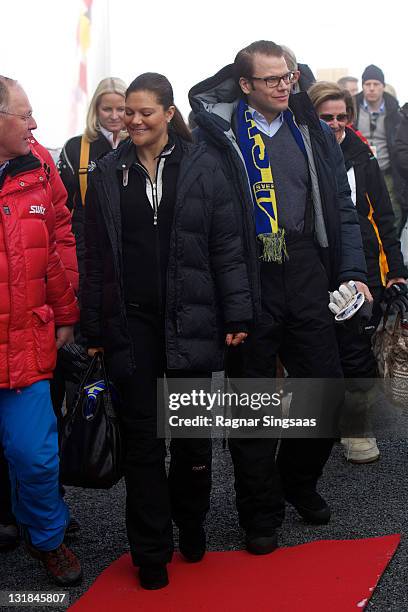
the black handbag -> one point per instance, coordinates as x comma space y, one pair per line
90, 446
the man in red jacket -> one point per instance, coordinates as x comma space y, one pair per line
38, 309
67, 251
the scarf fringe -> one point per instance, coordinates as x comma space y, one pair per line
274, 247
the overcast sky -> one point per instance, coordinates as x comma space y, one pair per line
187, 41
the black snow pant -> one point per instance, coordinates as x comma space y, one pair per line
296, 326
152, 498
356, 354
360, 371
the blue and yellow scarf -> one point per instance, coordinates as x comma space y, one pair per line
260, 177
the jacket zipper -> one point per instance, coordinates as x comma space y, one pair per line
155, 225
155, 203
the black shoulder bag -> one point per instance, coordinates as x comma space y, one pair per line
90, 447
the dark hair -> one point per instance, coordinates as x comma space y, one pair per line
243, 63
160, 86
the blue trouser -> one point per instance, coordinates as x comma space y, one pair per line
28, 433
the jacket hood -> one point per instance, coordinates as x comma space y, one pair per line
218, 95
355, 151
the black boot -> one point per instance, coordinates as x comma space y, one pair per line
153, 577
311, 506
8, 536
261, 544
192, 543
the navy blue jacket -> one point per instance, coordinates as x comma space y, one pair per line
339, 239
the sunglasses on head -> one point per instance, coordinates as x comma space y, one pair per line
341, 117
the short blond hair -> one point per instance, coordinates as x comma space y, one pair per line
322, 91
5, 85
290, 58
106, 86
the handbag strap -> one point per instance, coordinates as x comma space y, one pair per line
397, 326
84, 382
110, 411
396, 331
97, 361
83, 167
91, 368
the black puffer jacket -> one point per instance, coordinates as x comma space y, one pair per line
306, 78
336, 225
207, 282
374, 210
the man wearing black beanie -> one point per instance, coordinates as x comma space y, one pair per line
373, 73
378, 119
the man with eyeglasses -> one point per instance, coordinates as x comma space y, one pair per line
38, 310
301, 232
378, 119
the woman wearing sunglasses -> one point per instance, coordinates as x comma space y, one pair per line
383, 256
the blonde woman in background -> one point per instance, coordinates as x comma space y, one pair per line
104, 131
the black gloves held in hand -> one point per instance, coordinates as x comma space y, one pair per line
396, 299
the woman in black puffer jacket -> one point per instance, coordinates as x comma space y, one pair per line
166, 290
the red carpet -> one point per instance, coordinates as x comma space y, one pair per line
324, 576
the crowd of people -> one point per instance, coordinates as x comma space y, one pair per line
232, 246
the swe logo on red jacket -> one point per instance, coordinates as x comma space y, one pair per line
37, 209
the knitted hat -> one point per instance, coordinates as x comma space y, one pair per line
373, 73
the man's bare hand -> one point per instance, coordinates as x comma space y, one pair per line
93, 350
235, 339
394, 281
362, 287
64, 335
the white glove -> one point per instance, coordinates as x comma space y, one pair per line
345, 302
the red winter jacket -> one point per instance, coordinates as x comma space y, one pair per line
35, 293
63, 232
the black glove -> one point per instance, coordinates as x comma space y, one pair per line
396, 299
73, 360
365, 325
360, 323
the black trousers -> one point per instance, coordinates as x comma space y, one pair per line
356, 354
296, 326
152, 498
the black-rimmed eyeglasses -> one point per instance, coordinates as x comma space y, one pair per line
274, 81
